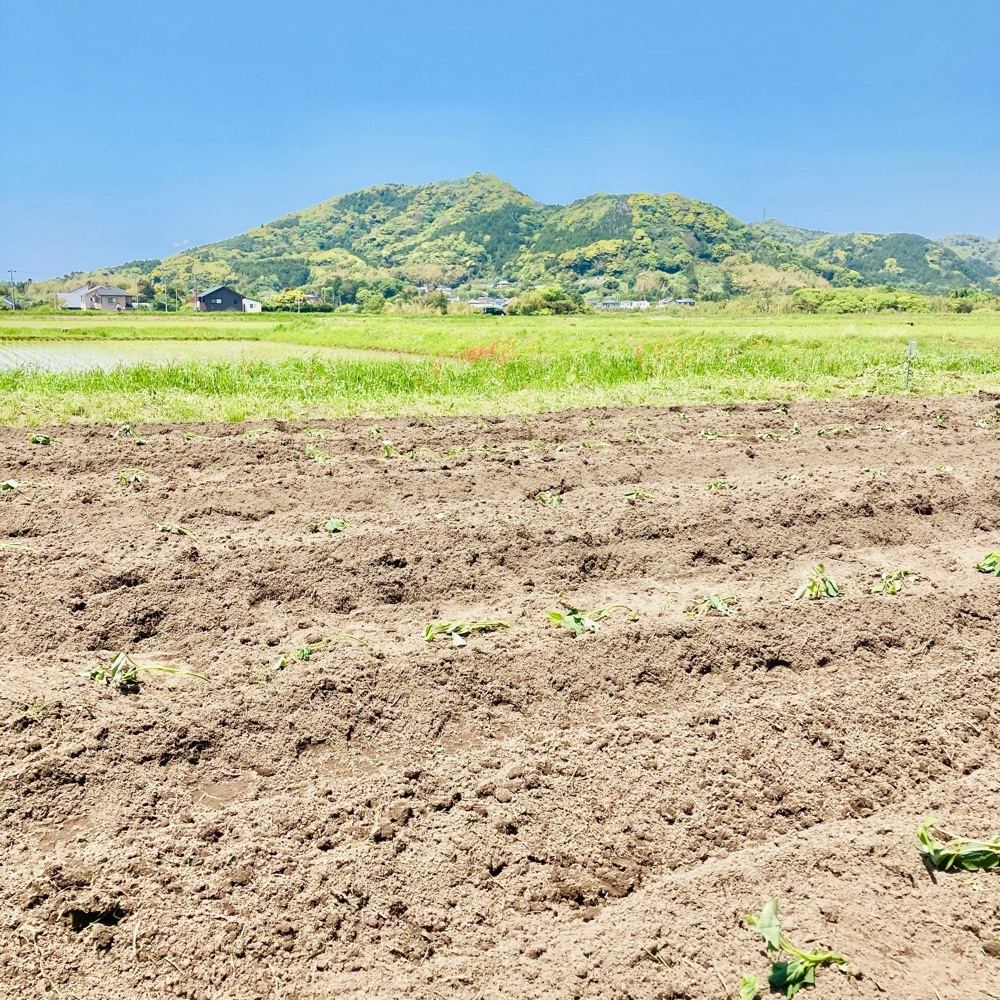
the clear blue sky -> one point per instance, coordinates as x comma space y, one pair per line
134, 128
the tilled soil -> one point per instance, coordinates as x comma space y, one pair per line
531, 814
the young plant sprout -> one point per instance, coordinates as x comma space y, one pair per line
123, 672
333, 525
304, 653
177, 529
131, 477
457, 631
894, 582
318, 456
956, 852
720, 484
9, 485
712, 604
578, 621
389, 450
549, 498
838, 431
42, 439
634, 495
990, 563
818, 585
16, 547
125, 431
790, 976
749, 987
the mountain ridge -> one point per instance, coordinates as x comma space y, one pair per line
481, 228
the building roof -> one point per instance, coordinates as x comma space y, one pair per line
219, 288
107, 290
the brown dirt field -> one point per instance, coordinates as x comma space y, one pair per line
531, 815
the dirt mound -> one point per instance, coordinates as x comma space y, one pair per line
343, 809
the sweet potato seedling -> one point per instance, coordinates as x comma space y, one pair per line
578, 621
457, 631
16, 547
131, 477
43, 439
304, 653
790, 976
818, 585
123, 672
318, 456
895, 581
177, 529
720, 484
749, 987
126, 431
712, 604
990, 563
334, 525
635, 495
9, 485
956, 852
846, 429
389, 450
550, 498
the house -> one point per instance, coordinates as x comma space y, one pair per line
615, 304
9, 303
485, 304
222, 298
107, 298
684, 302
73, 299
311, 298
251, 306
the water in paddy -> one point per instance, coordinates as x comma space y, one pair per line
68, 356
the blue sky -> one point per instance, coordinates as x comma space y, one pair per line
133, 129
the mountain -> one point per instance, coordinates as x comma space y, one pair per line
480, 228
980, 250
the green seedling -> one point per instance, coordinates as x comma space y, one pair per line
256, 432
194, 437
549, 498
781, 408
711, 436
125, 431
847, 429
304, 653
124, 672
749, 987
943, 470
177, 529
712, 604
389, 450
956, 852
635, 495
312, 432
578, 621
593, 444
818, 585
990, 563
457, 631
894, 582
16, 547
981, 424
591, 422
720, 484
790, 976
875, 473
374, 432
334, 525
941, 419
131, 477
43, 439
9, 485
318, 456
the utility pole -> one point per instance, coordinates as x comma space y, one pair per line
13, 288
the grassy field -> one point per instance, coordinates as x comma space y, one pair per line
493, 364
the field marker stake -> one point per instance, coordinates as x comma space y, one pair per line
911, 350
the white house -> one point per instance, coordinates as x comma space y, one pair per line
73, 299
251, 306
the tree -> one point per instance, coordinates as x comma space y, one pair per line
371, 300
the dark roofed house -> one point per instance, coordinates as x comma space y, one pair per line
106, 297
222, 298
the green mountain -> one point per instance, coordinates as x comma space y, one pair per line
480, 229
977, 249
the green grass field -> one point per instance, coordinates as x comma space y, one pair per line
494, 364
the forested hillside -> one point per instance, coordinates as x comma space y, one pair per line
481, 229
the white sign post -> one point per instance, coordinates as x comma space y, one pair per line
911, 350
